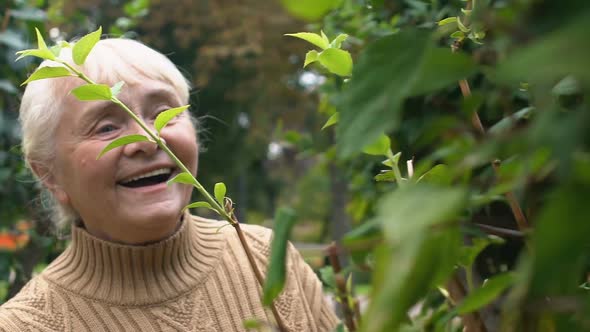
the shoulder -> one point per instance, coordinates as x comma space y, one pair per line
28, 305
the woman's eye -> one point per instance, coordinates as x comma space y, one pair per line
160, 111
106, 129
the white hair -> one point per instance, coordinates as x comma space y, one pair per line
110, 61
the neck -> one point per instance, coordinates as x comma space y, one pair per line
138, 274
137, 237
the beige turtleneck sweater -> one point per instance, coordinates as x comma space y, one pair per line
199, 279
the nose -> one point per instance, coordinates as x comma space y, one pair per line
142, 148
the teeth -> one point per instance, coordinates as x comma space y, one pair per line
148, 174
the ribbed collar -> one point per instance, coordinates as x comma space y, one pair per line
138, 275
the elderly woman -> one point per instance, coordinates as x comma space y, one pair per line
136, 262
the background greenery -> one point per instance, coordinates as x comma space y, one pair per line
490, 115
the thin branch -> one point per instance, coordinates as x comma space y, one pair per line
500, 231
519, 216
341, 288
257, 272
5, 20
471, 321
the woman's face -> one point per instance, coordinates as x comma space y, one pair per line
123, 196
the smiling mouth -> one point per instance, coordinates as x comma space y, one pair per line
148, 179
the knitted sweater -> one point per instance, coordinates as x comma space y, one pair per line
199, 279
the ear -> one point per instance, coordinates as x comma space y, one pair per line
50, 182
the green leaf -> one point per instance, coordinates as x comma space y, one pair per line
163, 118
380, 147
371, 103
40, 41
336, 61
405, 212
324, 37
415, 237
439, 174
56, 50
461, 26
253, 324
395, 159
385, 176
560, 242
83, 46
506, 124
310, 37
43, 54
447, 20
553, 56
183, 177
116, 89
331, 121
406, 274
89, 92
275, 276
47, 72
458, 35
310, 10
567, 86
310, 57
327, 276
337, 42
196, 205
470, 253
488, 292
122, 141
219, 191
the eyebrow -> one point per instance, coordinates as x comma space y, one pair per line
162, 93
98, 110
102, 108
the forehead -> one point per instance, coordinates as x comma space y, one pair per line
137, 96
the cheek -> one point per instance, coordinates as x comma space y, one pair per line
183, 142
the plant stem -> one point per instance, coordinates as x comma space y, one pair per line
472, 321
5, 20
519, 216
221, 210
257, 272
469, 278
500, 231
349, 318
395, 168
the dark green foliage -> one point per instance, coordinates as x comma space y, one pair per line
525, 67
275, 275
417, 66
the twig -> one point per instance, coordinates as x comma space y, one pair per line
521, 220
5, 20
341, 287
500, 231
257, 272
471, 321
